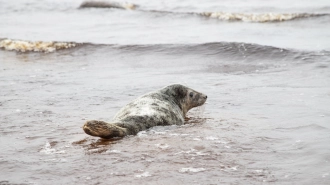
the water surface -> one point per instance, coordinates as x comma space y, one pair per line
268, 86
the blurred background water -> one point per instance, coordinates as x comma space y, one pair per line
264, 66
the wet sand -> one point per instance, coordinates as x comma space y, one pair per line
266, 119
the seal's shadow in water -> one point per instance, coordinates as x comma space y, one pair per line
96, 146
92, 145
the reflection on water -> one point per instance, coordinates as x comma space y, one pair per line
96, 146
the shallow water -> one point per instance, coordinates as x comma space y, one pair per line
266, 119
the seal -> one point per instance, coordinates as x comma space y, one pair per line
167, 106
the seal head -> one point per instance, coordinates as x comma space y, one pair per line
185, 97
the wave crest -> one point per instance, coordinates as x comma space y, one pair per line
37, 46
225, 16
262, 17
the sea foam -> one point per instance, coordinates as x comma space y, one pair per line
34, 46
253, 17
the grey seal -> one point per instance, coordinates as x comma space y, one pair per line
167, 106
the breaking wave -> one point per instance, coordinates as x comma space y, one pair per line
231, 50
212, 48
225, 16
262, 17
36, 46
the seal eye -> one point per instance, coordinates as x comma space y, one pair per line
191, 94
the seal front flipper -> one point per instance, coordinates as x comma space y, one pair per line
103, 129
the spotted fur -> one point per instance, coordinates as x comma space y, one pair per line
167, 106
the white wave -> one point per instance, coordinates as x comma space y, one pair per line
260, 17
37, 46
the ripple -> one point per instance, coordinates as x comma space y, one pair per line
194, 170
145, 174
162, 146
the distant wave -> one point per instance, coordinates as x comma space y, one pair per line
206, 48
261, 17
212, 48
37, 46
225, 16
229, 53
233, 51
103, 4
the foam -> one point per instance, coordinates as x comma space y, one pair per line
261, 17
211, 138
145, 174
113, 151
195, 170
162, 146
47, 149
36, 46
192, 152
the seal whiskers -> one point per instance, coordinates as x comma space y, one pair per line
103, 129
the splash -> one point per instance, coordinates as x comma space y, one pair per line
262, 17
192, 152
103, 4
162, 146
145, 174
195, 170
47, 149
211, 138
37, 46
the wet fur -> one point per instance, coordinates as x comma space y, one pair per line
167, 106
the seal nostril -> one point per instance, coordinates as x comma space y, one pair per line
205, 97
